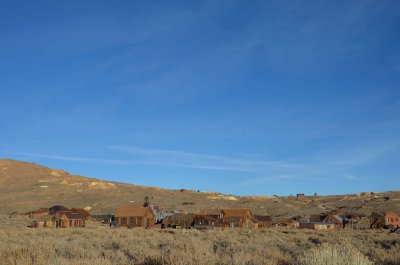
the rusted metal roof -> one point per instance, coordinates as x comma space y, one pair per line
82, 212
132, 210
74, 216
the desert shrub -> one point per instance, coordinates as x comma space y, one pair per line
328, 254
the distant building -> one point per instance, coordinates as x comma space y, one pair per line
179, 220
317, 225
300, 196
237, 217
377, 220
263, 221
392, 220
82, 212
132, 215
68, 219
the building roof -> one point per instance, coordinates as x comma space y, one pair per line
132, 210
74, 216
239, 212
57, 208
82, 212
179, 217
262, 218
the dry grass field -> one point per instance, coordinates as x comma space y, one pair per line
98, 244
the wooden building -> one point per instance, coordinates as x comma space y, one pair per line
263, 221
82, 212
377, 221
204, 221
317, 225
240, 217
68, 219
43, 221
392, 220
179, 220
133, 215
39, 213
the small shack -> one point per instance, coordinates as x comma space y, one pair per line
179, 220
134, 215
263, 221
204, 221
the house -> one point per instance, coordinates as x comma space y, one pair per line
57, 208
317, 225
38, 213
134, 215
377, 221
333, 218
240, 217
179, 221
68, 219
300, 196
392, 220
160, 214
43, 221
82, 212
204, 221
263, 221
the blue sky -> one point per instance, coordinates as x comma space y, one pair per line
241, 97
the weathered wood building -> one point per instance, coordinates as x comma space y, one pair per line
133, 215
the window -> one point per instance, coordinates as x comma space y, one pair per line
391, 219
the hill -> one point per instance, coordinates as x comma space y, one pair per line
27, 186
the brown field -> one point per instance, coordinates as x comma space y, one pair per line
98, 244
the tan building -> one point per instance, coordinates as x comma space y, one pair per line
179, 220
263, 221
240, 217
68, 219
133, 215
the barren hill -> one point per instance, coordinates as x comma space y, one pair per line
27, 186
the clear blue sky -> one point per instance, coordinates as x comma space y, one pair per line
241, 97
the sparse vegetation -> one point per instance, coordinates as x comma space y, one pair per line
97, 244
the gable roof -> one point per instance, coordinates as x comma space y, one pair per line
82, 212
72, 216
262, 218
132, 210
239, 212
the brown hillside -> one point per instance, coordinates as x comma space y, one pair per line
27, 186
